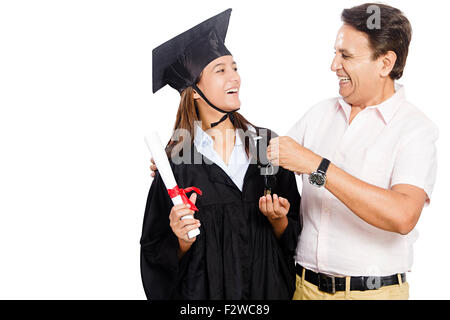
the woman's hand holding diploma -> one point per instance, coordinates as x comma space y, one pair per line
181, 226
177, 194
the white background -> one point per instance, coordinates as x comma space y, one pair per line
76, 103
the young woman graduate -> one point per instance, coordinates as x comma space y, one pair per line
247, 241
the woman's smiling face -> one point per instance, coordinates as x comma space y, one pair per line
220, 82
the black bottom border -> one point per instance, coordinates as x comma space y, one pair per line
213, 309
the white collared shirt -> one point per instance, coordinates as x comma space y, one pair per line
387, 144
238, 162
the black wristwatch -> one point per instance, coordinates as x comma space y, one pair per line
319, 177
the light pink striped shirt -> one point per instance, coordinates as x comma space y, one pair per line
387, 144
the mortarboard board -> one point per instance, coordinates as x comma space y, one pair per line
180, 61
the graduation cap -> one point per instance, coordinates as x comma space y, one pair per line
180, 61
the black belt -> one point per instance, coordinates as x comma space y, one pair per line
332, 284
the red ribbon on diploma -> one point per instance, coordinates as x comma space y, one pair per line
182, 193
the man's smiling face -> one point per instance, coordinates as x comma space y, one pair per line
357, 71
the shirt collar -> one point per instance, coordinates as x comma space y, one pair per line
202, 139
387, 108
238, 140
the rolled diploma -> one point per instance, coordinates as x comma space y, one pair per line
159, 156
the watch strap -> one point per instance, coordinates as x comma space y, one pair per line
323, 167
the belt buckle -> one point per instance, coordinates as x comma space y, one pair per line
326, 283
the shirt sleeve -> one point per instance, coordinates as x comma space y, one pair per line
309, 119
297, 132
416, 162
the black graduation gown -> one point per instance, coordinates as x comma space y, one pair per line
236, 255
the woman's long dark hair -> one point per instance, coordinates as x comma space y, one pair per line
187, 115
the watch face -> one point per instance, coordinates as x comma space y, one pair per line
317, 179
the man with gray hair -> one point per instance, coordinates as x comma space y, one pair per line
368, 165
